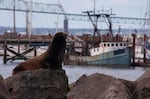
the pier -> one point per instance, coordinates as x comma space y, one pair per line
8, 41
12, 43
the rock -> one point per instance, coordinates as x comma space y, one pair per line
1, 78
118, 90
4, 94
53, 84
142, 90
38, 84
99, 86
91, 86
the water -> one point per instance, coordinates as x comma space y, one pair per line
129, 74
74, 72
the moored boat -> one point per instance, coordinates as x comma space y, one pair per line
107, 54
109, 50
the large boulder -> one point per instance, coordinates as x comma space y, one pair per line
117, 90
99, 86
38, 84
143, 86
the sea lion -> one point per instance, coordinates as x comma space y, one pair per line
51, 59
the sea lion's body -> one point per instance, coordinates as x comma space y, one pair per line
51, 59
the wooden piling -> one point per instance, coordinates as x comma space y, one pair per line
35, 51
5, 52
133, 48
5, 49
9, 39
144, 58
17, 55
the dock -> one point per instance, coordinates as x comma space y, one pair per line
8, 41
37, 41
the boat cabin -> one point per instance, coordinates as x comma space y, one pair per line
107, 47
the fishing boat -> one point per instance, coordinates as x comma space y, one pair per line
107, 52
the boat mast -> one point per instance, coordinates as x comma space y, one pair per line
148, 14
30, 22
110, 24
27, 20
57, 23
94, 23
14, 15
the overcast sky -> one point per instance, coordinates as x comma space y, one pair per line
129, 8
122, 8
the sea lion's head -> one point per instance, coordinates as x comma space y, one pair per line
56, 51
61, 34
59, 41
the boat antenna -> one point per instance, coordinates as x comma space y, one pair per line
94, 22
110, 24
57, 22
14, 15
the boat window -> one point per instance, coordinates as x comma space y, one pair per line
116, 44
120, 44
124, 44
104, 44
112, 44
108, 44
97, 49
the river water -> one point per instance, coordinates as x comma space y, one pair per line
74, 72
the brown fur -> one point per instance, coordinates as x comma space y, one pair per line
51, 59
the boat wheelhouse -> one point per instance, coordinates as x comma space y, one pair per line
105, 47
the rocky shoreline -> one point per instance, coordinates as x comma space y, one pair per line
53, 84
99, 86
37, 84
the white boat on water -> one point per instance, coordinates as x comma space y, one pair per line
108, 50
106, 54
